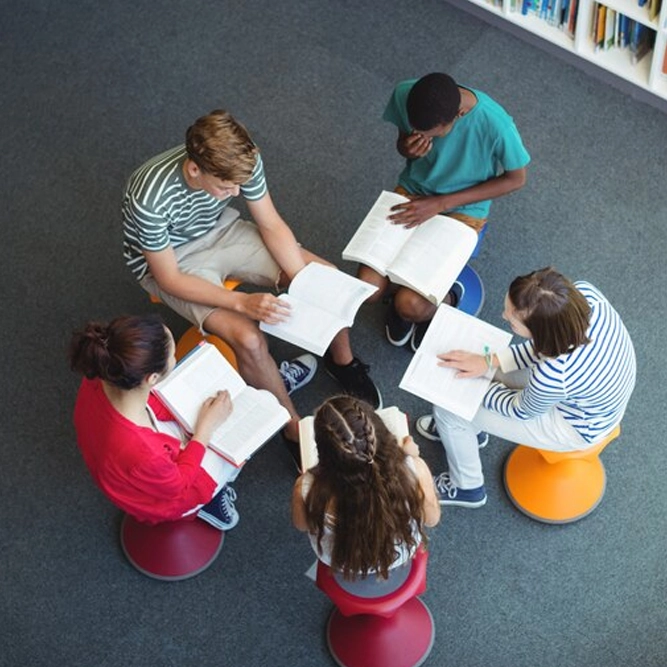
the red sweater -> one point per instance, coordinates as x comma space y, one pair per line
144, 473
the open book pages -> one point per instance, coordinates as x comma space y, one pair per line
324, 300
256, 415
452, 329
395, 420
427, 258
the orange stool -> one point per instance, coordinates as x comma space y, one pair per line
192, 337
556, 487
170, 551
395, 630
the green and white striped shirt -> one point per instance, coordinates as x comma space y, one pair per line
160, 209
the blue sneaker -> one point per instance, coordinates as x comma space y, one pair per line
426, 428
298, 372
220, 511
448, 494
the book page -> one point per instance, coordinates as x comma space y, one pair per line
377, 242
395, 420
324, 300
197, 377
308, 327
452, 329
434, 256
256, 417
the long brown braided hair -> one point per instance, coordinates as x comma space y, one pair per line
363, 482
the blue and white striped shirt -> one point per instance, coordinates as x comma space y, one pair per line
590, 386
160, 209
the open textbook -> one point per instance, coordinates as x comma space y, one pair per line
427, 258
452, 329
256, 416
324, 300
395, 420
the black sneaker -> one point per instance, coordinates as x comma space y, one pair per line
455, 294
418, 334
397, 329
355, 380
220, 511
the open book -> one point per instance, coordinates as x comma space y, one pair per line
452, 329
256, 416
324, 300
395, 420
427, 258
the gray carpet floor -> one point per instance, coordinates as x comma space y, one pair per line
91, 90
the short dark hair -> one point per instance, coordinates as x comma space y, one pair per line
122, 352
555, 312
433, 100
219, 145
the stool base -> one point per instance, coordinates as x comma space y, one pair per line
561, 492
170, 551
473, 296
402, 640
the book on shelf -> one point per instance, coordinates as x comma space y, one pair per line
256, 415
610, 29
427, 258
654, 7
394, 419
323, 301
641, 41
452, 329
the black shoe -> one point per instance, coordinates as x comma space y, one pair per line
355, 380
397, 329
455, 294
418, 335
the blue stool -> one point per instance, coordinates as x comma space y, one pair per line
478, 247
473, 291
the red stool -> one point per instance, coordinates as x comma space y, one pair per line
556, 487
395, 630
170, 551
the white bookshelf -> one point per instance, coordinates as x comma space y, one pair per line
646, 74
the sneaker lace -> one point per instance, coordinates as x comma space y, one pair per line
445, 486
227, 499
292, 372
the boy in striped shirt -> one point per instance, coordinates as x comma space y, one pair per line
182, 240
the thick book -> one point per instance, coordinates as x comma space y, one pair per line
395, 420
256, 414
323, 301
452, 329
427, 258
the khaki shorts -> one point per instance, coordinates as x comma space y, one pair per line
476, 223
232, 249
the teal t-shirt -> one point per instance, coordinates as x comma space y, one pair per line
482, 144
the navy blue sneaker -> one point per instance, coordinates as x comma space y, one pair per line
426, 428
448, 494
220, 511
298, 372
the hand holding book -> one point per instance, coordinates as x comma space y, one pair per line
213, 413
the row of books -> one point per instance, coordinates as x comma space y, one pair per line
611, 29
559, 13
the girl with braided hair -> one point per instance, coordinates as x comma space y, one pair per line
367, 501
134, 449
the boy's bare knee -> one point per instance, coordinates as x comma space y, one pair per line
413, 307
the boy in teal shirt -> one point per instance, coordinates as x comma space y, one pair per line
462, 150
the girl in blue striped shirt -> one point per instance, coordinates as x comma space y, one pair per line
565, 388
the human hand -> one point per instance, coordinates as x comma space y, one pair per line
265, 307
414, 145
213, 412
410, 447
414, 212
468, 364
